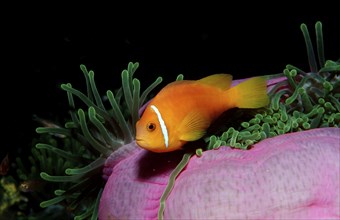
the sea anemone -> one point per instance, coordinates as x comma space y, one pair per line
88, 139
98, 170
294, 143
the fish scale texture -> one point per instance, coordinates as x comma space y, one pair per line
291, 176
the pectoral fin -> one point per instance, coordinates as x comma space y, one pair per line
193, 127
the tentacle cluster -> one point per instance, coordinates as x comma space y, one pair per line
305, 100
75, 161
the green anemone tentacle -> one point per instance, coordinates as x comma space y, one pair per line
80, 148
310, 101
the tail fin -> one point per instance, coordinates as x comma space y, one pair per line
251, 93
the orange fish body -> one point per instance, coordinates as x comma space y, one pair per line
183, 110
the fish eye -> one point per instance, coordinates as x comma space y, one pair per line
151, 126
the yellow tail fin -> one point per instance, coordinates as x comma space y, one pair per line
251, 93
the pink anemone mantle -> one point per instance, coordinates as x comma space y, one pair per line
290, 176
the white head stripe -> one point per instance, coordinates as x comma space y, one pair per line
163, 126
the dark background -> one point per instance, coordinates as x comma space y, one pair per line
43, 49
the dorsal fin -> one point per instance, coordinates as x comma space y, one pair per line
221, 81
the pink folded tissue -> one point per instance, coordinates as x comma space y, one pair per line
290, 176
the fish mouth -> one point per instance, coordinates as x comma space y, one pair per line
140, 142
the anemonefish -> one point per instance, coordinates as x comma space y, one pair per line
183, 110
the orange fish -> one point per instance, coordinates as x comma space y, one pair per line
183, 110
